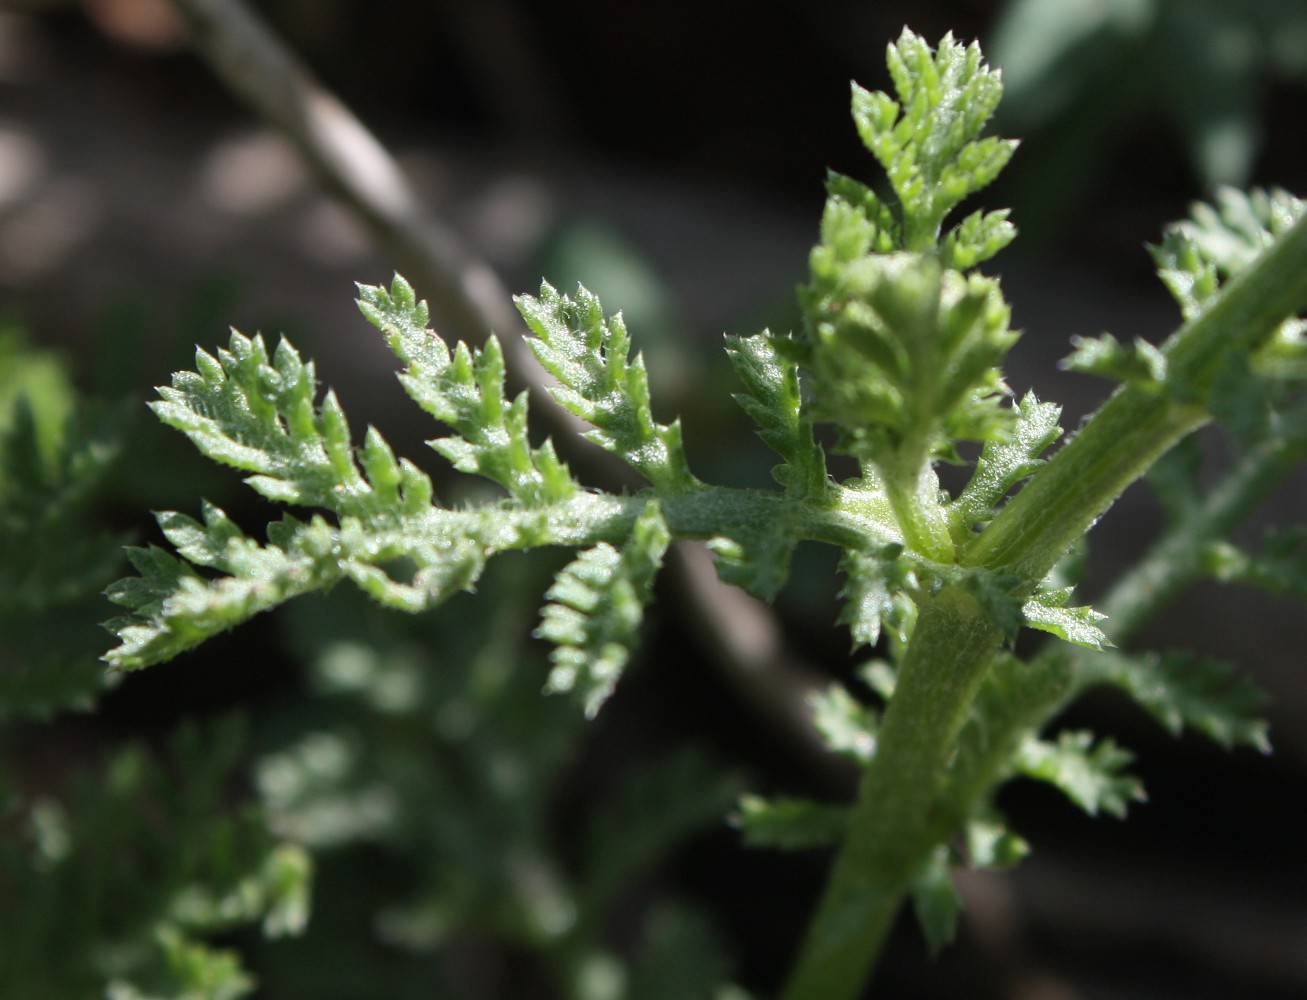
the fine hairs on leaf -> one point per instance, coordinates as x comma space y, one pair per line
897, 363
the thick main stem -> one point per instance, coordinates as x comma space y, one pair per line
894, 824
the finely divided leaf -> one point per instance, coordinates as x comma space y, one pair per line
257, 414
1190, 278
903, 348
596, 605
1004, 463
602, 385
928, 141
976, 238
465, 390
875, 595
756, 557
398, 313
1219, 241
772, 399
1195, 259
856, 216
50, 464
1197, 256
54, 560
174, 608
1092, 775
904, 357
123, 872
410, 564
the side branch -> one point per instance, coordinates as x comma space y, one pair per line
1140, 423
464, 291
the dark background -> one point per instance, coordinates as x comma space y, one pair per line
687, 142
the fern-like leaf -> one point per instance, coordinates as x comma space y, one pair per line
772, 399
464, 389
258, 414
756, 557
976, 238
54, 451
153, 864
875, 594
927, 141
904, 355
1141, 363
1004, 463
1219, 241
601, 384
596, 605
174, 608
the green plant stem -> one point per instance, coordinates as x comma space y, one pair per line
921, 530
919, 514
1058, 674
1131, 431
900, 814
894, 824
1141, 422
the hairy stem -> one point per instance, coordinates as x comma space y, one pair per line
1173, 563
920, 516
1141, 422
895, 824
1131, 431
902, 813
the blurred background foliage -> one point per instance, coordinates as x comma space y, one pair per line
1084, 77
470, 837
